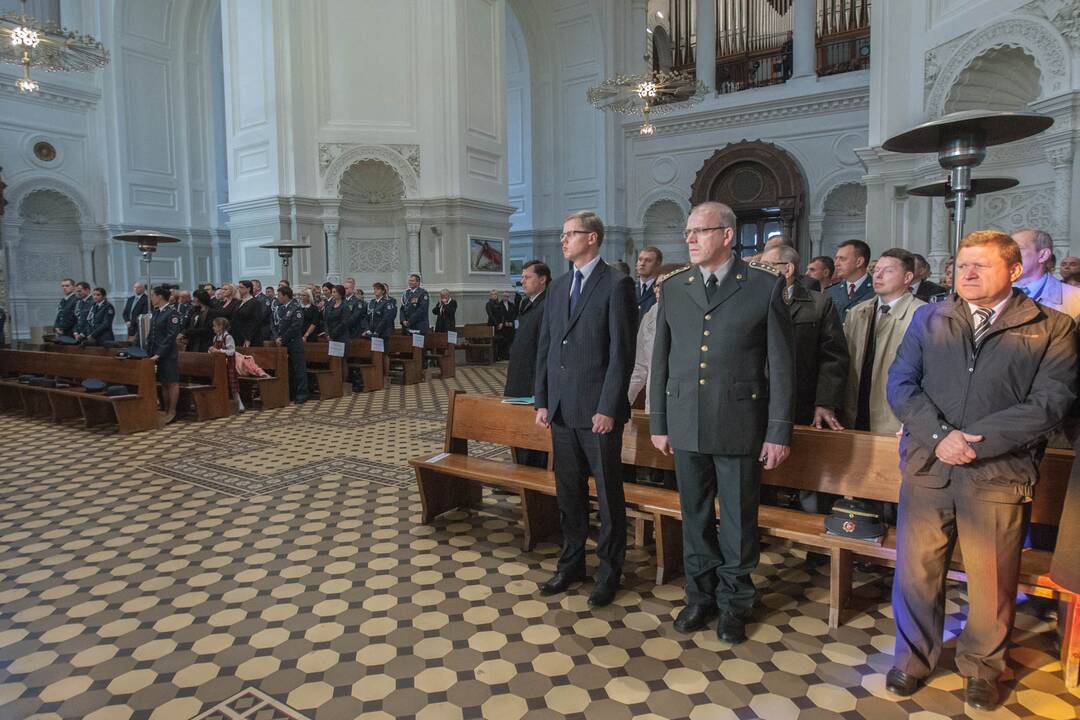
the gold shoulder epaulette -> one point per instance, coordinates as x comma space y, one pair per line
763, 266
673, 273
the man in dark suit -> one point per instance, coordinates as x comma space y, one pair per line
521, 372
978, 382
924, 288
722, 396
66, 317
137, 304
583, 363
510, 315
649, 261
852, 262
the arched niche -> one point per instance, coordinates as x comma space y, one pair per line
372, 231
664, 222
1002, 78
762, 183
844, 218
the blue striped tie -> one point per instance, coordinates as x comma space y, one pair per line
981, 330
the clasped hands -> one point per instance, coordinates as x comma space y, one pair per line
601, 424
955, 448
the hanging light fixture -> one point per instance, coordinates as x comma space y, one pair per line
32, 43
646, 94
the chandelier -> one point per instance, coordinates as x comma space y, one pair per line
33, 43
647, 94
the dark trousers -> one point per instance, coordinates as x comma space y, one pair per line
719, 557
990, 534
298, 382
533, 458
579, 452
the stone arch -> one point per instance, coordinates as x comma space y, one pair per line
1035, 36
662, 225
18, 193
752, 175
659, 195
344, 158
831, 183
843, 215
1002, 78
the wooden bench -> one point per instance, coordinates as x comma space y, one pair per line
326, 374
273, 390
479, 342
371, 365
132, 413
405, 359
439, 349
204, 378
842, 463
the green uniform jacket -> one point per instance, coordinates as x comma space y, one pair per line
723, 372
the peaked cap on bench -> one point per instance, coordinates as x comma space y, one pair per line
94, 385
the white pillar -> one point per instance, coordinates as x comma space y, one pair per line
638, 40
706, 43
940, 227
333, 250
1061, 160
413, 229
805, 60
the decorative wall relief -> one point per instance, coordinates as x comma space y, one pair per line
47, 267
381, 255
1009, 211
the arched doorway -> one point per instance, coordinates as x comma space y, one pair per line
764, 187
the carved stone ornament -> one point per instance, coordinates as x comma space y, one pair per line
336, 158
372, 256
1010, 211
1067, 21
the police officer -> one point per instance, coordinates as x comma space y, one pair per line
82, 307
65, 309
414, 307
381, 313
161, 347
277, 310
355, 310
290, 335
722, 399
99, 319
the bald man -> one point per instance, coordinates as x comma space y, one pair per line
1070, 270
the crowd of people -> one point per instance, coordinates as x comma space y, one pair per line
731, 352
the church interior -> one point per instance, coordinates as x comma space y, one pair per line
378, 550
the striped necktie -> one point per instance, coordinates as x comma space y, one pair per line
983, 328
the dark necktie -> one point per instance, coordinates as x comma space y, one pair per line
983, 328
851, 291
710, 288
575, 291
866, 375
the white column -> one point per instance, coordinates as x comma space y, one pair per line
638, 41
413, 229
805, 60
333, 257
1061, 160
939, 236
706, 43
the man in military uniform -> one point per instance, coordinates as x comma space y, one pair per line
161, 347
722, 399
290, 335
99, 320
65, 310
414, 307
82, 307
355, 309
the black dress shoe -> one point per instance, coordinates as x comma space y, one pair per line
559, 582
980, 694
694, 617
731, 629
603, 594
900, 683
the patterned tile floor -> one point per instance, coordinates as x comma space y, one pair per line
272, 566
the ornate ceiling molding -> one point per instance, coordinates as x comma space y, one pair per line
336, 158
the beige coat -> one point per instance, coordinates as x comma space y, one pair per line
889, 331
639, 380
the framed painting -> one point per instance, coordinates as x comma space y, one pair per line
487, 255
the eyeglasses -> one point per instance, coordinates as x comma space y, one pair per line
568, 233
698, 231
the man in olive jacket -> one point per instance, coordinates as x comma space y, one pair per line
978, 382
722, 394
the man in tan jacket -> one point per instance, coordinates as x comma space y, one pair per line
874, 329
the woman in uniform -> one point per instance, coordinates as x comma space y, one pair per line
381, 313
312, 321
336, 315
99, 320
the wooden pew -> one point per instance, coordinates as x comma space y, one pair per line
274, 390
851, 463
478, 340
438, 349
371, 365
326, 374
406, 360
204, 377
132, 413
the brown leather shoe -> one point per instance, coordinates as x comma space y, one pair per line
980, 694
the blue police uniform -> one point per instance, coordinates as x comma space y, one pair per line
381, 317
164, 327
291, 334
414, 310
99, 322
358, 317
65, 315
267, 315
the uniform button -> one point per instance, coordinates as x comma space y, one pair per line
708, 317
702, 366
753, 396
934, 436
701, 381
971, 369
707, 333
565, 341
704, 348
